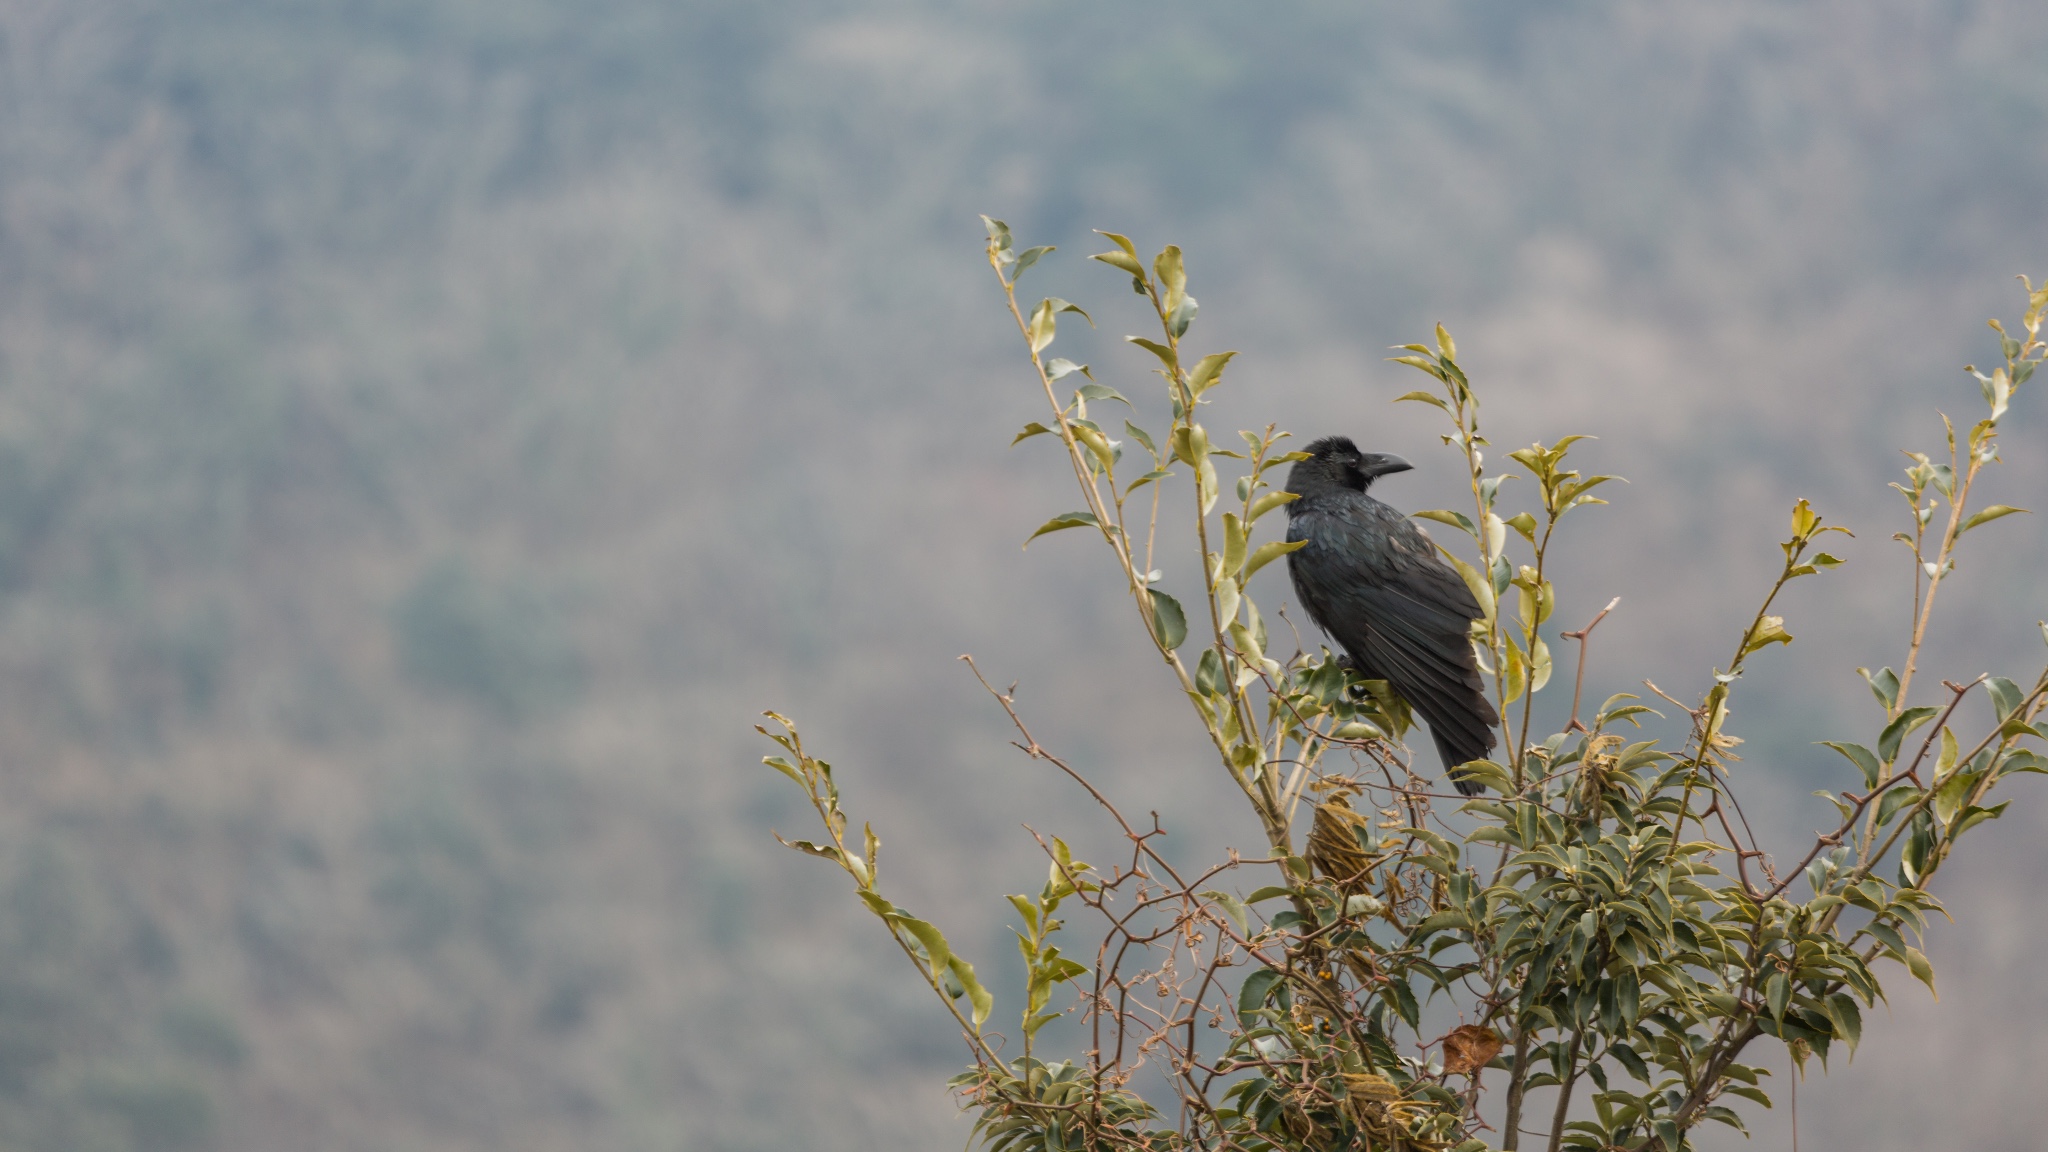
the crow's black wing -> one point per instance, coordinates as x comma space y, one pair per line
1374, 582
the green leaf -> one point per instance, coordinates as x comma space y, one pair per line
1404, 1002
1452, 918
1092, 438
976, 994
2005, 696
1847, 1018
1922, 969
1044, 325
822, 851
1888, 935
1028, 911
1430, 367
1183, 316
2024, 760
1896, 731
1209, 372
1166, 355
1062, 521
1060, 969
1267, 502
1987, 515
1060, 367
1777, 993
1769, 630
1490, 774
1026, 259
1884, 684
1446, 516
936, 951
1480, 586
1631, 1061
1517, 671
1141, 436
1266, 553
1974, 815
1252, 995
1102, 392
1950, 749
1233, 545
1233, 908
1172, 274
783, 766
1040, 1020
1899, 797
1169, 623
1863, 758
1269, 892
1032, 429
1121, 260
1122, 242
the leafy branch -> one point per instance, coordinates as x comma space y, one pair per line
1629, 938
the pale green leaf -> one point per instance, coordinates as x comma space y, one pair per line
936, 951
1768, 630
976, 994
1265, 554
1922, 969
1166, 355
1027, 258
1209, 372
1267, 502
1169, 623
1446, 516
1122, 260
1987, 515
1233, 909
1062, 521
1864, 759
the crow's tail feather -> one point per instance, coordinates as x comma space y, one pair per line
1455, 747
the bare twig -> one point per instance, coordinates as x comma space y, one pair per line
1583, 635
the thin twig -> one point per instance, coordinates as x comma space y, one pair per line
1583, 635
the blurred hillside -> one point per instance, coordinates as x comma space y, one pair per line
430, 431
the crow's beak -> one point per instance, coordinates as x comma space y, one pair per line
1381, 463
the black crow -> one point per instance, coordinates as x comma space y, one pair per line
1372, 580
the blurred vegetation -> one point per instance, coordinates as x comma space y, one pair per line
423, 426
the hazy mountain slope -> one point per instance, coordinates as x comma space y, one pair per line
429, 431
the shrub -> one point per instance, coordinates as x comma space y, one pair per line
1604, 918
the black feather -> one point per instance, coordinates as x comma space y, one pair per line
1372, 580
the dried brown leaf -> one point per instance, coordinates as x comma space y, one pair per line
1469, 1048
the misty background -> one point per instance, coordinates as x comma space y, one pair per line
431, 430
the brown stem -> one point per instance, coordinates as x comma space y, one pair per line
1564, 1092
1517, 1086
1710, 1075
1942, 556
1583, 636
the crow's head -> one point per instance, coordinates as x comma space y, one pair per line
1335, 462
